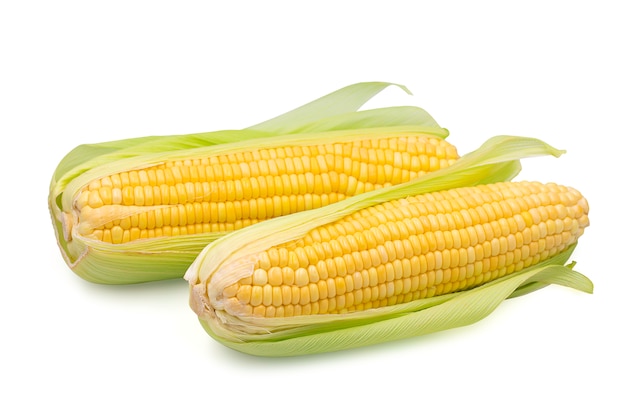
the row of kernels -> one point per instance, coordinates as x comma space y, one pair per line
421, 143
219, 212
117, 234
279, 302
230, 190
325, 301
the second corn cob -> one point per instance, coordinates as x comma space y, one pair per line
408, 249
330, 282
224, 191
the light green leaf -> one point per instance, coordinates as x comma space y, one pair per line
388, 116
344, 100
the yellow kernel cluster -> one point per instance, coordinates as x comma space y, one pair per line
227, 192
412, 248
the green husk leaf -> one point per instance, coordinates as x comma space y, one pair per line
344, 100
387, 116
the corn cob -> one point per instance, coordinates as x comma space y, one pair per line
331, 276
142, 210
227, 191
409, 249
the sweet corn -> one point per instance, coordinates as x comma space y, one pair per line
142, 209
225, 191
275, 296
408, 249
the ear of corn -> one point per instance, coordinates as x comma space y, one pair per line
433, 253
142, 209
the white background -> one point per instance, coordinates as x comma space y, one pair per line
83, 71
